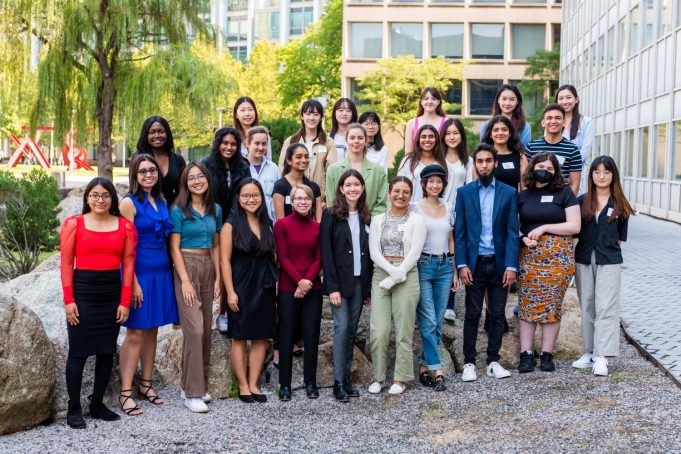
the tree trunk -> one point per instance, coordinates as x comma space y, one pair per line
105, 109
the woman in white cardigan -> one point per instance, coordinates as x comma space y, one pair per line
396, 239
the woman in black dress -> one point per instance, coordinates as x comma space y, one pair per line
247, 254
501, 134
156, 139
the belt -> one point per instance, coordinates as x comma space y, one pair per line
437, 256
486, 258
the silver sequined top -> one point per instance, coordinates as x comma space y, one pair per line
391, 236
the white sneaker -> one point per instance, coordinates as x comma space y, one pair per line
585, 362
206, 397
375, 387
495, 370
450, 315
600, 366
469, 373
196, 405
396, 389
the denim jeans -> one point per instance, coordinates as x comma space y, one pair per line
345, 321
435, 281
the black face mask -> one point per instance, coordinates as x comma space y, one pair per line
485, 180
542, 176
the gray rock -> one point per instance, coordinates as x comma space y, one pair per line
72, 204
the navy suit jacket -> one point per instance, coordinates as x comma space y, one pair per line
468, 226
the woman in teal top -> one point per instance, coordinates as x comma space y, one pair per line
375, 178
195, 247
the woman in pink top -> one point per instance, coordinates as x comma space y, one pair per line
430, 113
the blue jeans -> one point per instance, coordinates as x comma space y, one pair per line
435, 281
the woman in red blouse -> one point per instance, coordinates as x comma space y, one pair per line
300, 289
94, 247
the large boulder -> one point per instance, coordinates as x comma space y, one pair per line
27, 371
72, 204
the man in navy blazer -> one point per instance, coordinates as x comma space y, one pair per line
487, 240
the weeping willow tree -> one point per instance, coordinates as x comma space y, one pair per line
97, 53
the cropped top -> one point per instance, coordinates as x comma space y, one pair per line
196, 233
85, 249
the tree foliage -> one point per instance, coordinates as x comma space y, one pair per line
394, 87
259, 80
312, 65
542, 71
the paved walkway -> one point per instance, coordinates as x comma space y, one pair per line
651, 289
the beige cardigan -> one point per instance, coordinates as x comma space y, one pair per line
321, 157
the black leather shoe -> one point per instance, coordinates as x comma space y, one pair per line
285, 393
527, 362
260, 398
350, 390
311, 391
246, 398
547, 364
74, 416
339, 392
100, 411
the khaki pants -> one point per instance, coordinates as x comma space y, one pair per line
196, 323
598, 288
399, 305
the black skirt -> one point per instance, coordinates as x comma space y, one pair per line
97, 295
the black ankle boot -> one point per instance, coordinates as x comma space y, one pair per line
349, 389
74, 416
339, 392
547, 364
100, 411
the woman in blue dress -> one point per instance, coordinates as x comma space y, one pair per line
153, 299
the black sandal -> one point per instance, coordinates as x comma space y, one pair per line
439, 383
128, 411
425, 379
146, 395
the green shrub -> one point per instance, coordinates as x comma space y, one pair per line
392, 172
280, 130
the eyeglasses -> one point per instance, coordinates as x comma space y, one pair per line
195, 178
370, 125
96, 197
249, 196
302, 199
150, 171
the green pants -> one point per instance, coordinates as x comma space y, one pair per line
399, 305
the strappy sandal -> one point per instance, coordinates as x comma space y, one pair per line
128, 411
439, 383
146, 395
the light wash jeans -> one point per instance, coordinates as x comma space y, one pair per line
435, 282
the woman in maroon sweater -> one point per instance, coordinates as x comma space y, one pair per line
300, 290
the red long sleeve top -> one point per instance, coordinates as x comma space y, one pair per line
85, 249
297, 240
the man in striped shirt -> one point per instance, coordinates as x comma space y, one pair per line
567, 152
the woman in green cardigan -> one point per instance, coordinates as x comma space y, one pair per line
375, 178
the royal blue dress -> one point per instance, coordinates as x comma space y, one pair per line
152, 267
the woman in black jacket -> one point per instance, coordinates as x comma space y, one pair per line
347, 269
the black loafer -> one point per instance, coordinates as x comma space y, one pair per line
339, 392
311, 391
527, 363
246, 398
260, 398
425, 379
350, 390
285, 393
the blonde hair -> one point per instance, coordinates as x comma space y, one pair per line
305, 188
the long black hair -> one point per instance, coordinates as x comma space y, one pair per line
143, 141
241, 232
518, 114
236, 122
373, 116
528, 178
289, 156
311, 105
462, 149
135, 188
514, 145
574, 123
340, 205
111, 189
184, 198
334, 123
621, 206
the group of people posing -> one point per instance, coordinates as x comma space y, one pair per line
270, 239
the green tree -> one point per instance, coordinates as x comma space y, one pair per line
542, 75
259, 80
394, 87
91, 48
312, 65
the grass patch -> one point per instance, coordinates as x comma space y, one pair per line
590, 386
616, 377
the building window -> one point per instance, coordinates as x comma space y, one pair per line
611, 48
634, 30
648, 21
629, 158
239, 53
621, 35
527, 39
446, 40
482, 93
453, 96
366, 40
645, 151
237, 5
299, 20
555, 39
676, 155
447, 1
266, 26
354, 93
488, 1
488, 41
617, 146
665, 18
237, 28
529, 1
406, 39
660, 153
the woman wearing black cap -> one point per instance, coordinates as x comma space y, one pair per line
437, 276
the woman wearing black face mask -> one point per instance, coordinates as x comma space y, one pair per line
549, 216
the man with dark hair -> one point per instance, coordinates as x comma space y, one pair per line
486, 232
567, 152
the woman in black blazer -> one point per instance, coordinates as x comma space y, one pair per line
347, 269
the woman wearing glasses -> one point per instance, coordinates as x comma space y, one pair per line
153, 300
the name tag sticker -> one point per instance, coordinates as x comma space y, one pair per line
508, 165
610, 210
547, 199
288, 200
561, 159
402, 227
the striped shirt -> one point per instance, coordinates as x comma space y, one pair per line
567, 152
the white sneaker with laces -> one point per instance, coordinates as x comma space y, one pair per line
469, 373
495, 370
375, 387
396, 389
600, 366
450, 315
206, 397
196, 405
585, 362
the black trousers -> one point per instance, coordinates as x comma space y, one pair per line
299, 315
485, 277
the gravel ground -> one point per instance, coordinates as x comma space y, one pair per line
635, 409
